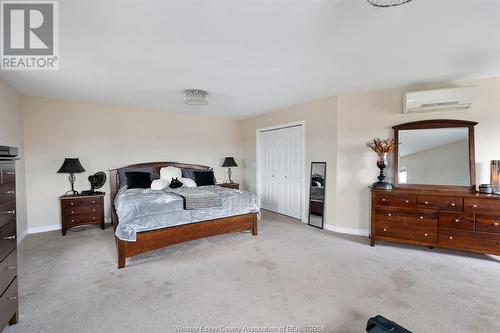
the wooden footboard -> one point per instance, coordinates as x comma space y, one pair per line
157, 239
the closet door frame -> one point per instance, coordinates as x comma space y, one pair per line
258, 159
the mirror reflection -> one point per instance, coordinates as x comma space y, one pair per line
434, 156
317, 194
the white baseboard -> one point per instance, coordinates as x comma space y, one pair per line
45, 228
350, 231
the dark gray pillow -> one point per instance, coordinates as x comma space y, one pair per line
188, 173
154, 174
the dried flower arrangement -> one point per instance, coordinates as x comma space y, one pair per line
381, 147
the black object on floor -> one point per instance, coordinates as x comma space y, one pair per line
379, 324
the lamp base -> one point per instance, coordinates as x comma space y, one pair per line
381, 186
71, 193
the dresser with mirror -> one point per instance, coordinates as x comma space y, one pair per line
434, 200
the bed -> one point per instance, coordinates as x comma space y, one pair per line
141, 234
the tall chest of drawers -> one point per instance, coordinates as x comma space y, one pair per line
8, 253
456, 220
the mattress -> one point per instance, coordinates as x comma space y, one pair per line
145, 209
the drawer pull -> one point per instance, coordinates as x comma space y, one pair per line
11, 268
426, 202
385, 229
10, 192
407, 201
421, 217
9, 212
72, 212
384, 199
426, 235
474, 206
457, 221
93, 210
72, 220
451, 237
10, 173
10, 237
389, 214
452, 204
93, 218
495, 224
12, 298
93, 201
72, 203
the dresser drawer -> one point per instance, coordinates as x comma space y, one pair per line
396, 200
81, 202
70, 211
8, 304
7, 213
7, 192
469, 239
481, 205
419, 234
8, 173
464, 221
439, 202
388, 214
423, 218
7, 239
488, 223
82, 219
8, 270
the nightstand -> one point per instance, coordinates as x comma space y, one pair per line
234, 186
81, 210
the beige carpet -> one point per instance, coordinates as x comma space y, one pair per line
290, 274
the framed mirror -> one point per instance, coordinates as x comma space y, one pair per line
435, 154
317, 194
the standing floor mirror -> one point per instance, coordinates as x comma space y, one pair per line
317, 194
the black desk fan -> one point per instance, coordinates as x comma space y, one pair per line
96, 181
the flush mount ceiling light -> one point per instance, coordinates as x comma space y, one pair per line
195, 97
387, 3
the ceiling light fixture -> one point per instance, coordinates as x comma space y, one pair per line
387, 3
195, 97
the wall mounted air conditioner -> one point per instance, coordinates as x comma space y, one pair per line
439, 100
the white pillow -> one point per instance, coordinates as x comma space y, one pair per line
159, 184
188, 182
170, 172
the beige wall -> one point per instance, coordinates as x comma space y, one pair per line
320, 134
11, 134
363, 116
104, 137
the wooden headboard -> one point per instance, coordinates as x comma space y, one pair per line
114, 180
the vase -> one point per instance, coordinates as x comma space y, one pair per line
382, 164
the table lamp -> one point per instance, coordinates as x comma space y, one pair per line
228, 163
71, 166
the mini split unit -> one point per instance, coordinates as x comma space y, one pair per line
439, 100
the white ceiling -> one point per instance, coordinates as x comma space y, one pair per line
257, 56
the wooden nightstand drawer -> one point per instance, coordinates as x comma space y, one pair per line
70, 211
8, 175
234, 186
81, 202
82, 210
82, 219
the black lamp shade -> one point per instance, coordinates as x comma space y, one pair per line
229, 162
71, 165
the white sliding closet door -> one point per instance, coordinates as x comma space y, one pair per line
281, 160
